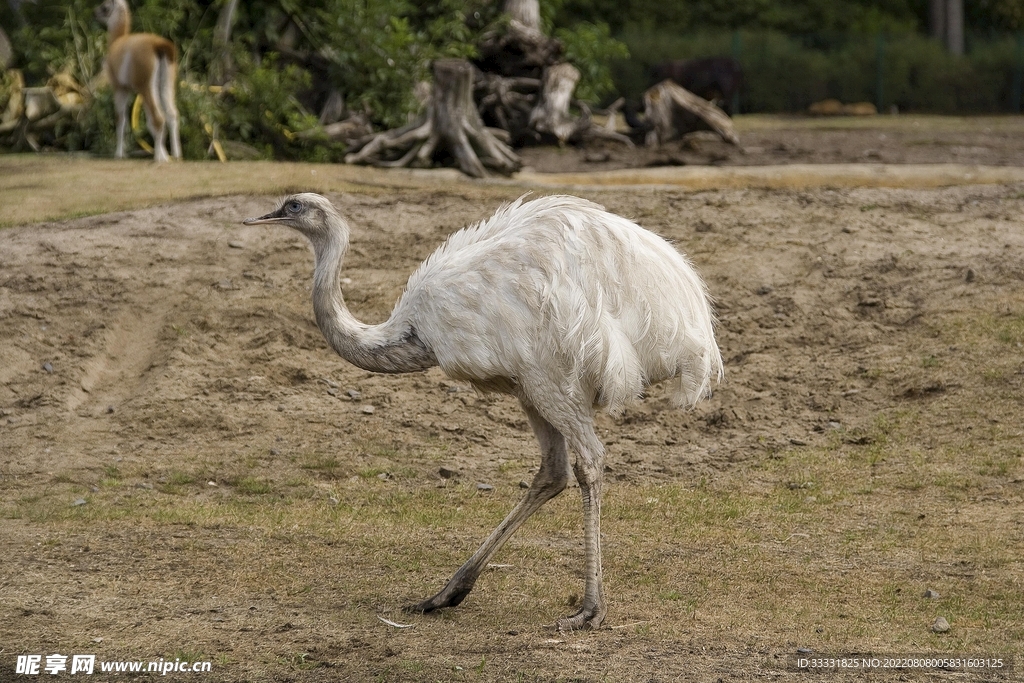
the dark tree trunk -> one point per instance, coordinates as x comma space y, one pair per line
221, 67
523, 50
955, 26
673, 111
937, 20
525, 89
450, 125
526, 12
506, 103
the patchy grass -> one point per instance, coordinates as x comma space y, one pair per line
845, 538
35, 188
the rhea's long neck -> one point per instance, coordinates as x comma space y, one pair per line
389, 347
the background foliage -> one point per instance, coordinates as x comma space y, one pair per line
786, 73
289, 54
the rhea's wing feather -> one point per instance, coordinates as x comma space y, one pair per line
562, 291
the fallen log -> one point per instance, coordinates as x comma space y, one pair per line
34, 117
672, 111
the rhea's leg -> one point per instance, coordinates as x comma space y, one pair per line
550, 480
121, 100
589, 467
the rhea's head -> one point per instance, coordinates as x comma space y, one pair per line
309, 213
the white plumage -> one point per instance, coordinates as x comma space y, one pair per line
556, 301
560, 289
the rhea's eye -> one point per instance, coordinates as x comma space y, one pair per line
293, 207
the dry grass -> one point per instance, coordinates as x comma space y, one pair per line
827, 548
34, 188
39, 188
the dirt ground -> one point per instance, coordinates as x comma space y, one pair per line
187, 471
766, 141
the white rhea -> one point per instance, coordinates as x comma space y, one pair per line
555, 301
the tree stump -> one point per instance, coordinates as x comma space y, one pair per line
449, 125
672, 111
521, 50
551, 115
526, 12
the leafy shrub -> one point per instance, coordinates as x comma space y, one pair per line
60, 38
261, 108
592, 49
95, 130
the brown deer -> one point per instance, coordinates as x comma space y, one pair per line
141, 63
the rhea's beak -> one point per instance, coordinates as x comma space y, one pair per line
275, 217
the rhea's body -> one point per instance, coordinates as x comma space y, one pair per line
558, 287
555, 301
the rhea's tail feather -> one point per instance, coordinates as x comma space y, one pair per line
623, 379
696, 374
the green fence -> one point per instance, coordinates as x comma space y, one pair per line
785, 73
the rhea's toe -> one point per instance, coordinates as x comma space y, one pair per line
584, 619
420, 607
446, 598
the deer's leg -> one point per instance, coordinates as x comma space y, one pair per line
155, 119
549, 481
172, 122
121, 100
167, 91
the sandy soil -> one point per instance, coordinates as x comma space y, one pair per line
141, 344
140, 311
766, 141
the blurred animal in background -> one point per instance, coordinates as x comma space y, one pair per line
716, 79
833, 107
141, 63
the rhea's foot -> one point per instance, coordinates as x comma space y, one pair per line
450, 596
586, 618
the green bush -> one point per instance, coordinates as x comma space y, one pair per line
95, 130
375, 52
59, 37
262, 110
592, 49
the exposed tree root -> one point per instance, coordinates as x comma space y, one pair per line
450, 125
